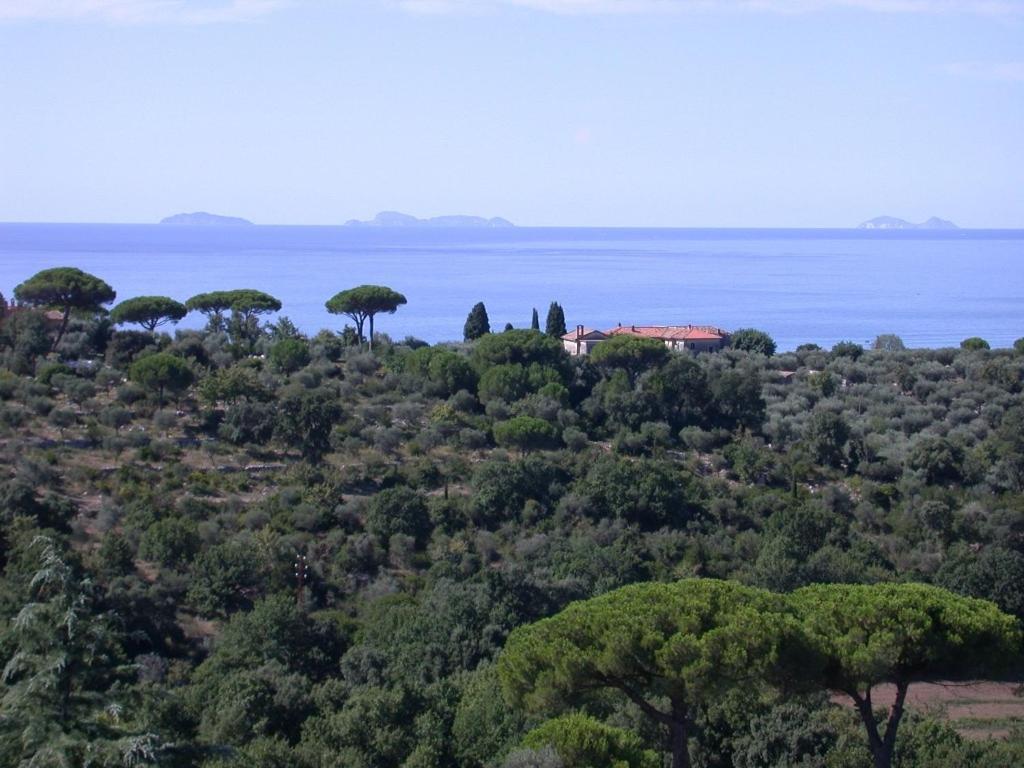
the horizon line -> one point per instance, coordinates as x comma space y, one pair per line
342, 225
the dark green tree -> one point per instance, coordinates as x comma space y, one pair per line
225, 578
63, 660
633, 354
555, 323
826, 435
667, 648
680, 390
305, 419
974, 343
940, 459
173, 541
995, 573
363, 303
162, 371
212, 304
752, 340
848, 349
398, 510
289, 355
66, 289
866, 635
521, 347
582, 741
148, 311
249, 304
525, 433
646, 492
477, 322
535, 321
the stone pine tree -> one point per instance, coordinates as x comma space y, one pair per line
213, 305
148, 311
363, 302
66, 289
861, 636
555, 325
535, 321
477, 322
667, 648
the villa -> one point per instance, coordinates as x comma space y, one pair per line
688, 338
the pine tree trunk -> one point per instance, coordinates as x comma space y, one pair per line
63, 328
680, 747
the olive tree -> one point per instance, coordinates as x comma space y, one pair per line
364, 302
862, 636
148, 311
679, 643
66, 289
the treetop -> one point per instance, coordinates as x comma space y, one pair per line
65, 287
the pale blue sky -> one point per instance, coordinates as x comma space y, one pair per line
549, 112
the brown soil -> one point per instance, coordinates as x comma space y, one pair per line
967, 705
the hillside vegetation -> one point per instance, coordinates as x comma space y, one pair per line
246, 547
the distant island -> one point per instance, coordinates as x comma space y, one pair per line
891, 222
203, 219
396, 219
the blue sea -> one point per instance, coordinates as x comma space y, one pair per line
822, 286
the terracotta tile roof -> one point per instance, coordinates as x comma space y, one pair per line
671, 332
583, 333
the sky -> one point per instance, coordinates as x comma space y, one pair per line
682, 113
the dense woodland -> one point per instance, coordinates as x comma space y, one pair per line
247, 547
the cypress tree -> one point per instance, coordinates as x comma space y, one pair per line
535, 321
555, 325
477, 323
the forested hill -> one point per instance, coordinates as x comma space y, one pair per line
245, 547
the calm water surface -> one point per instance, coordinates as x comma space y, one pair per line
823, 286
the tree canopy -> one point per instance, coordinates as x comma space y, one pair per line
679, 643
161, 371
525, 433
555, 323
974, 343
582, 741
363, 303
519, 346
864, 635
630, 353
477, 322
148, 311
67, 289
752, 340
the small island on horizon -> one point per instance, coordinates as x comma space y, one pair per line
891, 222
396, 219
203, 219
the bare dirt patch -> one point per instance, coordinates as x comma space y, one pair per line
978, 709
